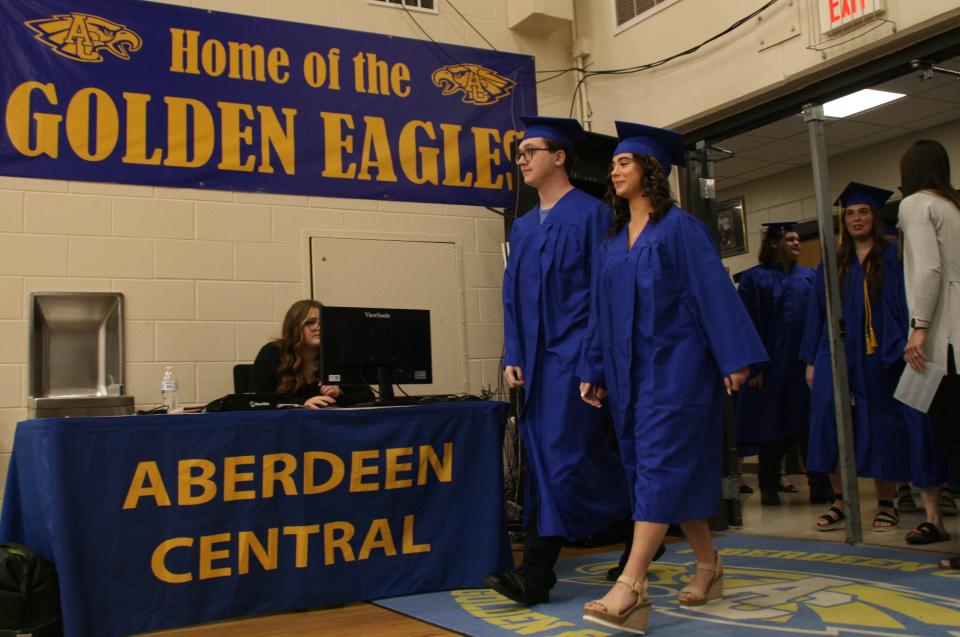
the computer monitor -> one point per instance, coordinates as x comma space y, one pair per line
382, 346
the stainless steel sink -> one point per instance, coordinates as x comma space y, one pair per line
76, 355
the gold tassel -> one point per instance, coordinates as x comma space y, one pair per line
840, 225
868, 322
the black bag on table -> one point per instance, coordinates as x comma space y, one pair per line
29, 593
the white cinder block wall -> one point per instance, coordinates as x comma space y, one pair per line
208, 275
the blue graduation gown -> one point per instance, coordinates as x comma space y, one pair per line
667, 326
573, 479
777, 302
880, 436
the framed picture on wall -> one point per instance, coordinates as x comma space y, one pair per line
732, 227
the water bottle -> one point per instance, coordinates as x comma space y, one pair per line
169, 390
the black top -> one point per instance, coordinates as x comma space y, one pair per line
263, 380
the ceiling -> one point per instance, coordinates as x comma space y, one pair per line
784, 144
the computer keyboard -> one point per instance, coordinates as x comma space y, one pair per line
403, 401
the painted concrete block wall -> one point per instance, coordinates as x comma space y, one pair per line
208, 275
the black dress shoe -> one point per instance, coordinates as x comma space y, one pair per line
514, 585
769, 497
617, 571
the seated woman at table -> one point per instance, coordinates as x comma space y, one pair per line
290, 365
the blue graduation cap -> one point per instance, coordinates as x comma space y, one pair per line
857, 193
567, 131
776, 229
663, 144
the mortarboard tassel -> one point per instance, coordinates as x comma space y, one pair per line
869, 332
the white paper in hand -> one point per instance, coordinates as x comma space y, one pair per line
917, 389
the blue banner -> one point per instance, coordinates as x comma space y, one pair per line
148, 93
161, 521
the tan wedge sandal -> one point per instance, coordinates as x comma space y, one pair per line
698, 596
632, 620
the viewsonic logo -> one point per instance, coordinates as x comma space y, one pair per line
83, 37
479, 85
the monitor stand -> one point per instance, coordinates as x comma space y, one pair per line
385, 384
386, 397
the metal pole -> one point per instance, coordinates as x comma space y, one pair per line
583, 102
700, 199
813, 116
707, 185
579, 55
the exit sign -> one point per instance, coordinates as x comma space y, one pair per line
837, 14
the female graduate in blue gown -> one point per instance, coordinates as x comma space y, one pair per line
668, 333
772, 409
870, 272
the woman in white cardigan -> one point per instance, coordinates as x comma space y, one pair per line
930, 219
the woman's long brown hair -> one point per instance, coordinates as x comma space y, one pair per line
872, 263
656, 186
926, 166
291, 373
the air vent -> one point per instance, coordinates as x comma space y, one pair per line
629, 9
422, 5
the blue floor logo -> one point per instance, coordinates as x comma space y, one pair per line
806, 599
772, 587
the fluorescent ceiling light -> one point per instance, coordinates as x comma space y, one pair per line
857, 102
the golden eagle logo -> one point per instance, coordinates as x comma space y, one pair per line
84, 38
479, 85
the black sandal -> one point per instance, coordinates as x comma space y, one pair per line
834, 518
905, 501
948, 505
927, 533
787, 488
884, 521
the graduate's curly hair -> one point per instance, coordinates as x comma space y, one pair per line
653, 182
872, 263
291, 375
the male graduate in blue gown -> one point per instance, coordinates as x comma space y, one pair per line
772, 409
574, 484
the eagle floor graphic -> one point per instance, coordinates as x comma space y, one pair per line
771, 587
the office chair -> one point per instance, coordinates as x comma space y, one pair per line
241, 377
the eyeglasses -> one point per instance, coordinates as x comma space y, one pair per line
527, 153
312, 323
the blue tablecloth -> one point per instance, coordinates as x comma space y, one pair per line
162, 521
